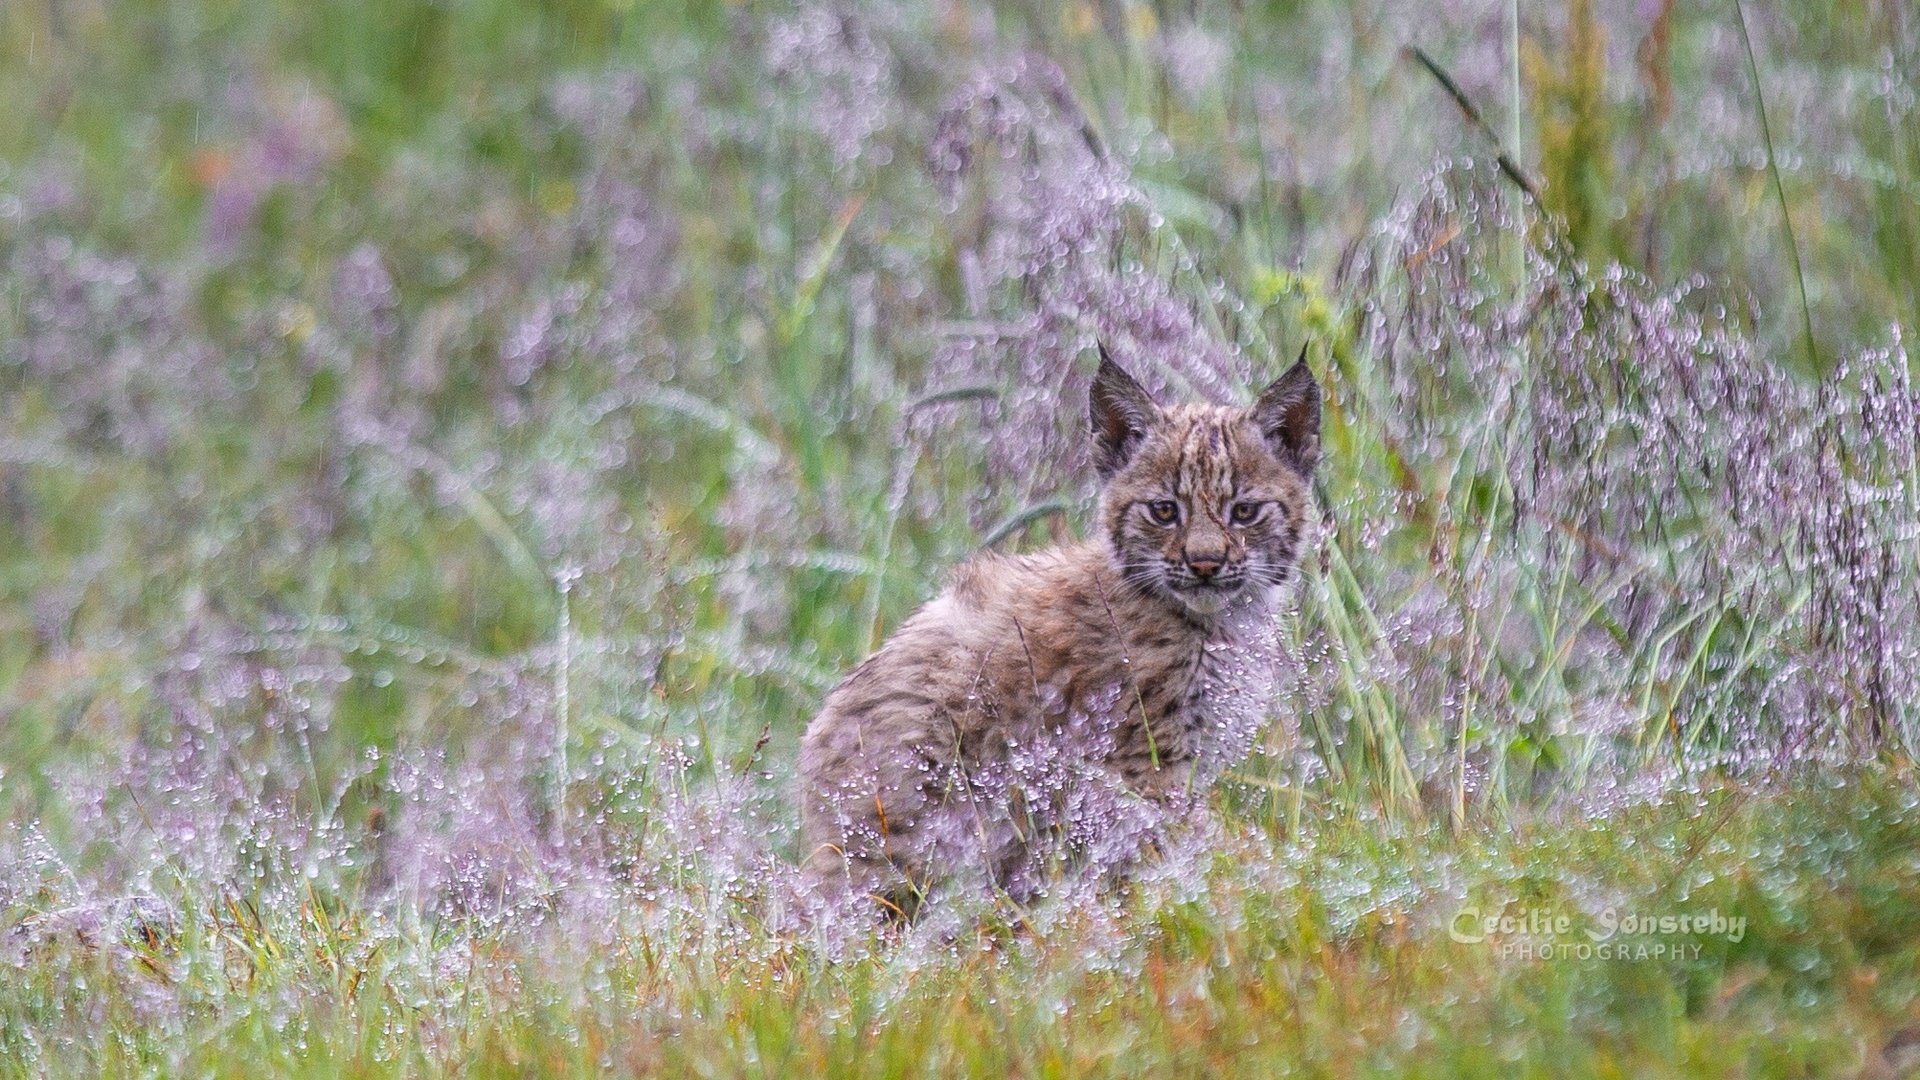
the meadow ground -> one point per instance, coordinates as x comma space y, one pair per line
448, 450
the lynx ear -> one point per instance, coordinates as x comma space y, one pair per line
1121, 415
1288, 414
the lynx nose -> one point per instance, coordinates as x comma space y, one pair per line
1204, 568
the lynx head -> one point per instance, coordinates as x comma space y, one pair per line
1202, 502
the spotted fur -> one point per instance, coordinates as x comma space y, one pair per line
921, 761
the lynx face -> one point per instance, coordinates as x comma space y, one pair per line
1202, 502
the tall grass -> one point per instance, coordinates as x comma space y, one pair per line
447, 456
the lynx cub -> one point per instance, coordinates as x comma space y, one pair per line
942, 754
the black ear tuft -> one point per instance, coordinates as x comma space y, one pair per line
1288, 414
1121, 414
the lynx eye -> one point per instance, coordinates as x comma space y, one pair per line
1164, 511
1246, 513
